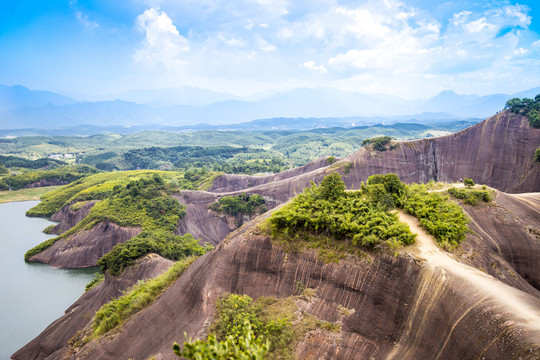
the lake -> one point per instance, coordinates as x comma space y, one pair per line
32, 295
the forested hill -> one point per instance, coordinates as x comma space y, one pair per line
249, 152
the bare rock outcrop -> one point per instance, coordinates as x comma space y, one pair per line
506, 240
86, 247
234, 182
68, 218
497, 152
51, 343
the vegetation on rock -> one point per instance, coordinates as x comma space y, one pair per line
272, 324
527, 107
440, 217
98, 278
362, 218
239, 204
169, 246
118, 310
537, 155
471, 196
246, 347
327, 216
379, 143
133, 199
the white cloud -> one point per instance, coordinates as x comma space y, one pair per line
265, 45
231, 41
276, 7
519, 12
163, 43
310, 65
83, 19
393, 45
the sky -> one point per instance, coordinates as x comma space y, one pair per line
410, 49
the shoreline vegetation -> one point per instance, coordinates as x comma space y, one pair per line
29, 194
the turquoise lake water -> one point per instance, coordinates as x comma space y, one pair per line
32, 295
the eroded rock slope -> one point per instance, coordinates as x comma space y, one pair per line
409, 307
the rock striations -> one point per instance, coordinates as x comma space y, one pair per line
480, 302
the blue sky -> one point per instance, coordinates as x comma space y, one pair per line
412, 49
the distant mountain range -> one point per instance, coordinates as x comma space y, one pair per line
187, 106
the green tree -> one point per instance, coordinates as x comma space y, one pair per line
468, 182
526, 107
537, 155
332, 187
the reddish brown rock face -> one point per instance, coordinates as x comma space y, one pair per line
403, 309
497, 152
86, 247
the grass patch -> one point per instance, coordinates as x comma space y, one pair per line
471, 196
98, 278
25, 194
117, 311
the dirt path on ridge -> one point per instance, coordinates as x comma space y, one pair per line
525, 308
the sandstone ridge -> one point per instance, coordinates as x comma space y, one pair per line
408, 307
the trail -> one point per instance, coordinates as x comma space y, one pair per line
525, 308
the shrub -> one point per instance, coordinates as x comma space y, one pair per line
439, 216
537, 155
246, 347
470, 196
329, 212
379, 143
468, 182
163, 243
239, 204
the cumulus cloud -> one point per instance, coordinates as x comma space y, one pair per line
310, 65
162, 43
353, 43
